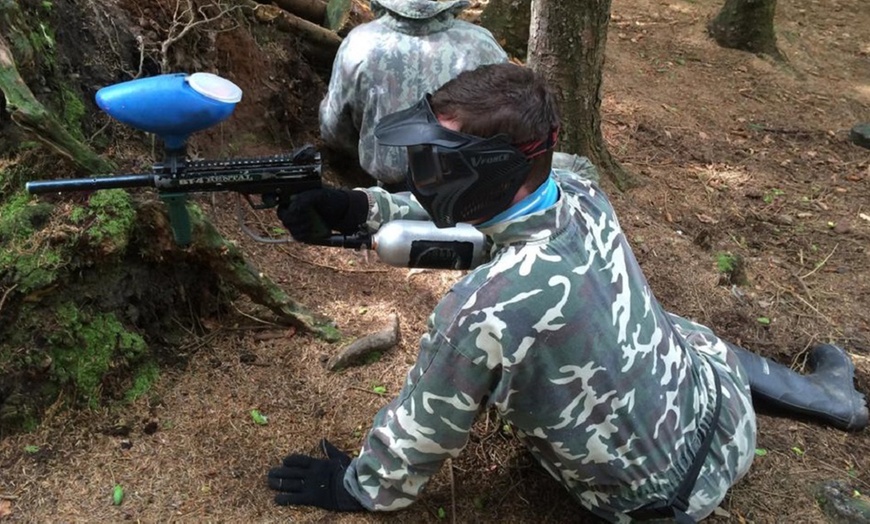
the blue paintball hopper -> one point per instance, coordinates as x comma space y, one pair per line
172, 106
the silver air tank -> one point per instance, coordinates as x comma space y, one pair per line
420, 244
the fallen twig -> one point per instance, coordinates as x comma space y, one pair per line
6, 294
327, 266
820, 264
364, 390
802, 299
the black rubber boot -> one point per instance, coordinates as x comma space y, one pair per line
827, 394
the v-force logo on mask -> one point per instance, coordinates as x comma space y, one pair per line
483, 160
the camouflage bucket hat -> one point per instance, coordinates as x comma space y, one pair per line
420, 9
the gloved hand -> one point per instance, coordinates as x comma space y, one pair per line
308, 481
314, 214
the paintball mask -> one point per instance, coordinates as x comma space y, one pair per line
457, 177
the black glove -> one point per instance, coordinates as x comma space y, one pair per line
308, 481
314, 214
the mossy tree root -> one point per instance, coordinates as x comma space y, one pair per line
29, 114
210, 249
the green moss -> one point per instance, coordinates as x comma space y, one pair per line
88, 346
329, 332
73, 110
114, 216
20, 217
31, 265
78, 214
146, 375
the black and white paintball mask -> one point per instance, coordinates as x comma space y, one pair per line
457, 177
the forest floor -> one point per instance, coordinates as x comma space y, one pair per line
739, 156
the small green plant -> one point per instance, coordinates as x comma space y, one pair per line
380, 390
117, 495
732, 269
771, 195
259, 418
798, 451
725, 262
764, 321
31, 449
442, 514
760, 452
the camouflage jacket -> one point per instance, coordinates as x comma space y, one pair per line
388, 65
561, 333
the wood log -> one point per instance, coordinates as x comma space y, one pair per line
333, 15
29, 114
311, 10
323, 39
360, 349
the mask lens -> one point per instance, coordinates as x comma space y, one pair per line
425, 168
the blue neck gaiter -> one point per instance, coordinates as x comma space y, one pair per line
543, 197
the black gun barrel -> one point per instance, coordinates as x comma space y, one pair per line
37, 187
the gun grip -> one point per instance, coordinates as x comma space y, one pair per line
319, 229
179, 218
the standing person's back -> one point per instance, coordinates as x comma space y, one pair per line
413, 48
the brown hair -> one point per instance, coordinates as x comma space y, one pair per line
504, 99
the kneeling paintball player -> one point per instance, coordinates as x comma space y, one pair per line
637, 412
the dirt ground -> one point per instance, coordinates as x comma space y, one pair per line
738, 155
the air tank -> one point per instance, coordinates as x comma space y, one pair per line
420, 244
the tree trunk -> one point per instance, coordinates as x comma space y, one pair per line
26, 111
566, 45
509, 21
746, 25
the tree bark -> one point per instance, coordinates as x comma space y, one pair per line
509, 21
746, 25
311, 10
566, 45
29, 114
325, 42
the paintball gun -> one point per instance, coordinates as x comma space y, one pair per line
174, 106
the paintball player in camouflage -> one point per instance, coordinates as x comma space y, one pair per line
639, 413
412, 48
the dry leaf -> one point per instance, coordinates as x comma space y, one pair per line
5, 508
706, 219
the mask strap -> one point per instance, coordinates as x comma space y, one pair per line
536, 148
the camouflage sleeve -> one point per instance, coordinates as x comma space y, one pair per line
579, 165
385, 206
426, 424
339, 121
